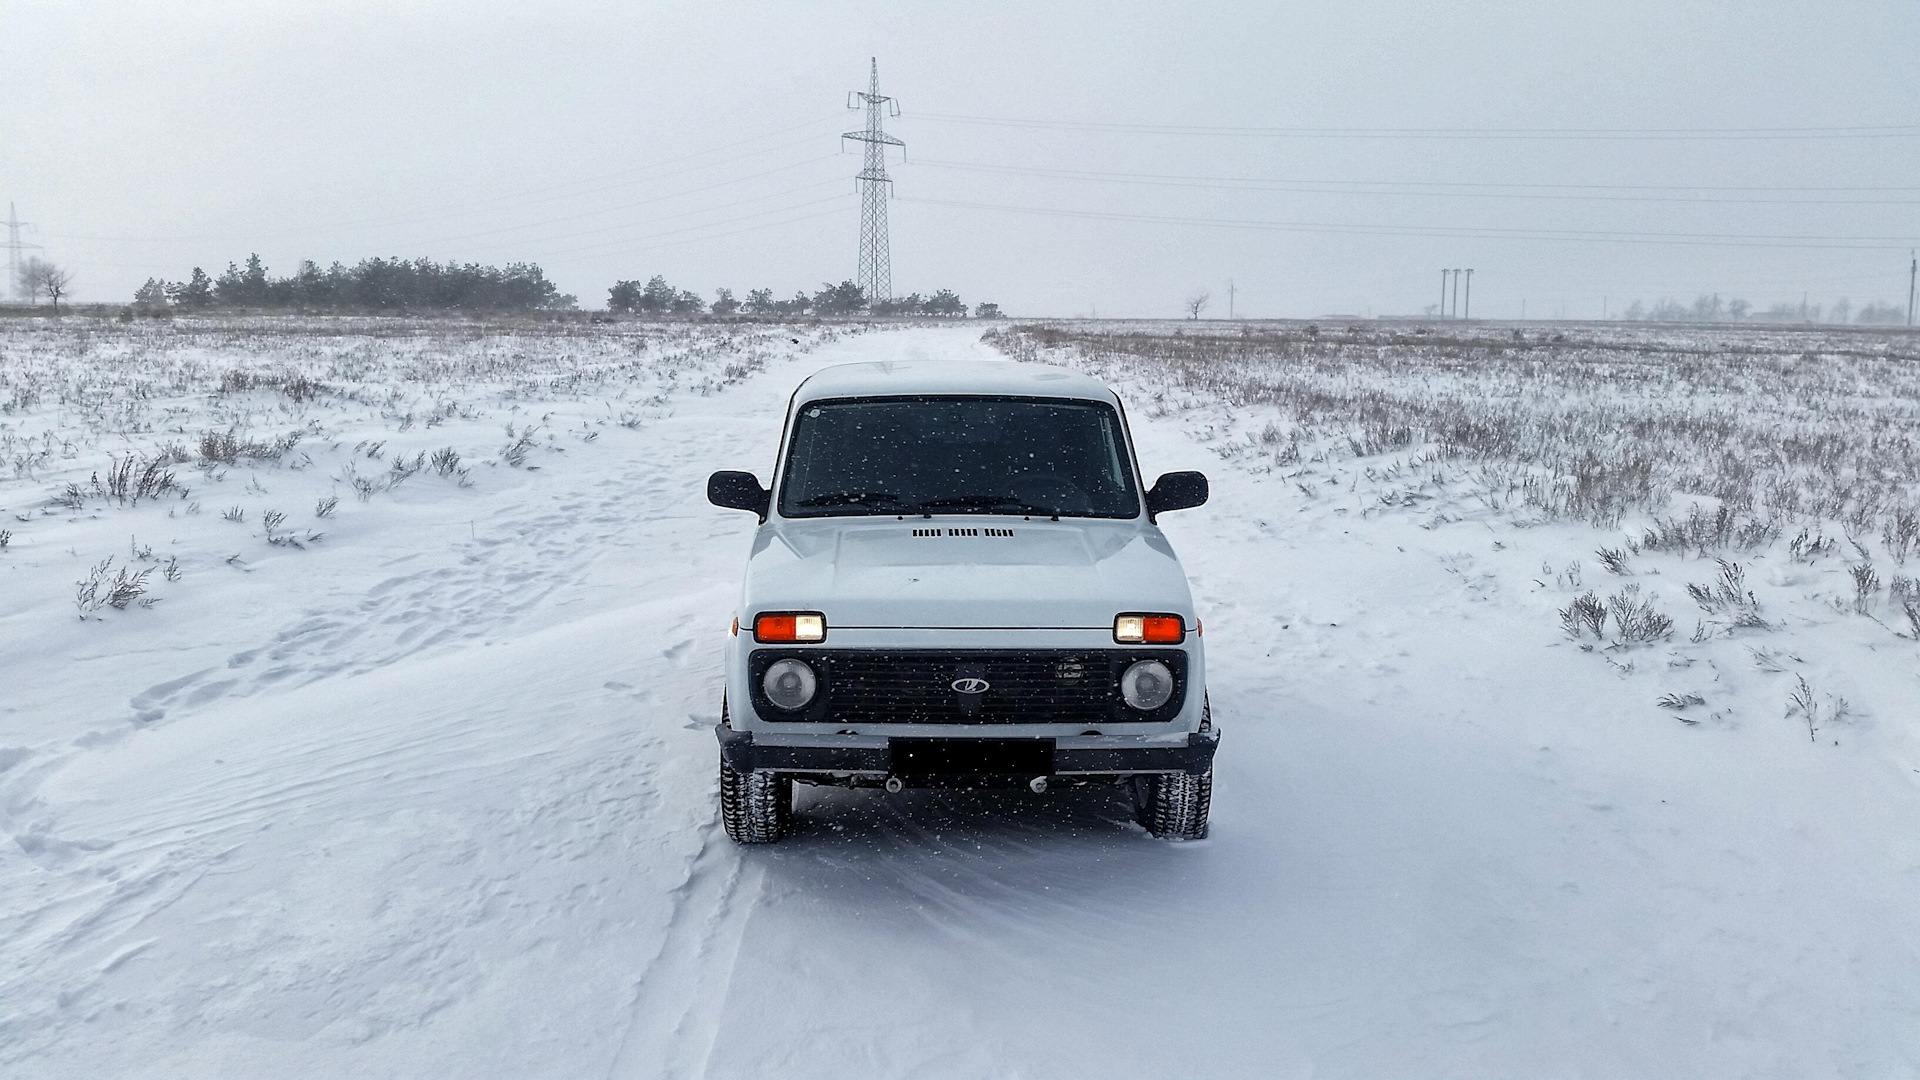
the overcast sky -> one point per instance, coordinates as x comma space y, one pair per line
699, 141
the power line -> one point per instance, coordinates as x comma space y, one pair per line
693, 228
1423, 188
876, 256
1359, 280
648, 202
626, 244
548, 193
1858, 131
1851, 243
703, 238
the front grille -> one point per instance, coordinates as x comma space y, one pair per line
917, 686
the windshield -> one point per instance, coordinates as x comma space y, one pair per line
958, 455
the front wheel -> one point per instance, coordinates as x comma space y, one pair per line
1174, 804
755, 807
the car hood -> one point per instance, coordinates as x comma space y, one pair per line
965, 571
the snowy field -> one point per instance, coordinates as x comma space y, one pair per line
407, 769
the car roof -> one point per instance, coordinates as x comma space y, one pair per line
890, 378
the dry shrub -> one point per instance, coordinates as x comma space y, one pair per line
105, 587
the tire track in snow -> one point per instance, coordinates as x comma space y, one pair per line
683, 989
682, 993
527, 556
469, 871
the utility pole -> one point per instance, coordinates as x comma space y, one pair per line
1230, 291
876, 260
1913, 270
1469, 310
1442, 309
1455, 311
14, 245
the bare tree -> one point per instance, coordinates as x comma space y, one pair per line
1198, 302
54, 282
39, 277
26, 281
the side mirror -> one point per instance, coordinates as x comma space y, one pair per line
1177, 491
738, 491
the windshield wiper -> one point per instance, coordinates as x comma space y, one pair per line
852, 498
985, 502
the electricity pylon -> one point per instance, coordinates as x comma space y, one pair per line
14, 246
876, 260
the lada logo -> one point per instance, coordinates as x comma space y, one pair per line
971, 686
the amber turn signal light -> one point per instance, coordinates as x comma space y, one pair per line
1148, 629
785, 626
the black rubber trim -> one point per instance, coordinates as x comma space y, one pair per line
739, 751
742, 754
1195, 758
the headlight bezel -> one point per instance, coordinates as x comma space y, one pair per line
791, 665
1157, 697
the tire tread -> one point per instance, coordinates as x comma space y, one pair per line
755, 807
1175, 804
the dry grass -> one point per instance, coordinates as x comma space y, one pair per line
244, 388
1635, 619
1757, 429
105, 587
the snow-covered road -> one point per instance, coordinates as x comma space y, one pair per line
452, 814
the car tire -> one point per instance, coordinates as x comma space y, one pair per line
755, 807
1174, 804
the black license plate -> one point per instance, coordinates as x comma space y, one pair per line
951, 757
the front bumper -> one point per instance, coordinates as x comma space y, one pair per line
1041, 757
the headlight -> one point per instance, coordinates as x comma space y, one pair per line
1146, 685
790, 684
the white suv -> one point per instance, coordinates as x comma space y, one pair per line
957, 581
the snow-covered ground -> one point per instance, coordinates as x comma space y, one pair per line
432, 795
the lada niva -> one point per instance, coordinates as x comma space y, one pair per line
958, 581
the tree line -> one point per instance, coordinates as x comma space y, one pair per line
370, 284
1711, 308
426, 285
658, 297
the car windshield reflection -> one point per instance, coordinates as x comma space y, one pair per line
958, 455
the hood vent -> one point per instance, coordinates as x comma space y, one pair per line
963, 532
